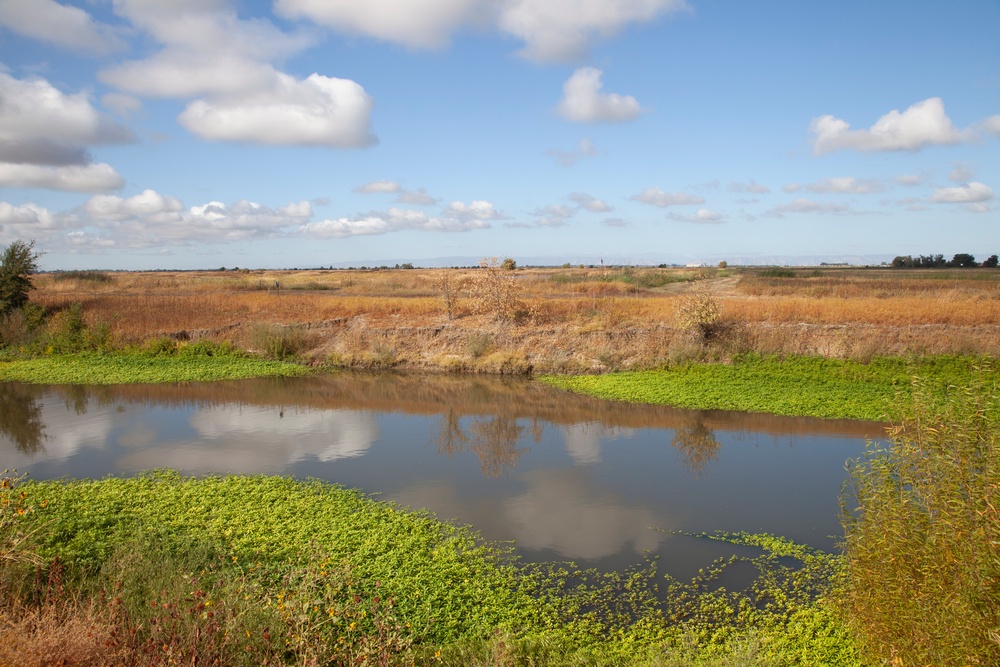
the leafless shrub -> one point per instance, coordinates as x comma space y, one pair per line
450, 290
494, 290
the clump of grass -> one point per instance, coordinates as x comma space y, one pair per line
478, 343
90, 276
777, 273
922, 529
281, 342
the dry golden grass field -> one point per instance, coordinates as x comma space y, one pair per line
545, 319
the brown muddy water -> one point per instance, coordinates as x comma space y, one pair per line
563, 477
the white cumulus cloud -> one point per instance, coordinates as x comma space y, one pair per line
657, 197
750, 186
35, 110
60, 25
584, 102
302, 209
992, 125
805, 206
702, 216
563, 30
552, 30
425, 24
25, 220
591, 203
961, 172
379, 187
206, 49
922, 124
847, 185
151, 219
149, 204
319, 111
209, 53
456, 217
477, 210
72, 178
970, 193
553, 215
910, 180
44, 134
418, 197
584, 149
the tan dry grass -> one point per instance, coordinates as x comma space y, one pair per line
571, 319
57, 634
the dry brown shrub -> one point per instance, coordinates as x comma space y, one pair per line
698, 313
63, 634
494, 290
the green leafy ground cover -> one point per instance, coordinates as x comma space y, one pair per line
296, 571
126, 368
795, 386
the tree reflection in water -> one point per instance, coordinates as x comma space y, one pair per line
494, 441
696, 444
21, 417
452, 439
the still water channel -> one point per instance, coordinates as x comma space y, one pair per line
564, 477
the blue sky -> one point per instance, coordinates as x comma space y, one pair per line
296, 133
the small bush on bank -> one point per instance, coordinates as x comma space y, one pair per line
21, 326
283, 343
68, 332
90, 276
698, 313
494, 290
478, 343
777, 273
922, 527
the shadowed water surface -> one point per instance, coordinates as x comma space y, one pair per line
565, 477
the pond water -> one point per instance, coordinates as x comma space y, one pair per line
564, 477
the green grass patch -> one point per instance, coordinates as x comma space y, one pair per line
796, 386
127, 368
89, 275
303, 572
777, 273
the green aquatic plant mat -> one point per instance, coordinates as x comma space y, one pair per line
795, 386
329, 563
124, 368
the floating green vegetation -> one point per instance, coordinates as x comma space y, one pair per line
795, 386
134, 367
255, 570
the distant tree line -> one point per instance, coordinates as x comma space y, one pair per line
962, 260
